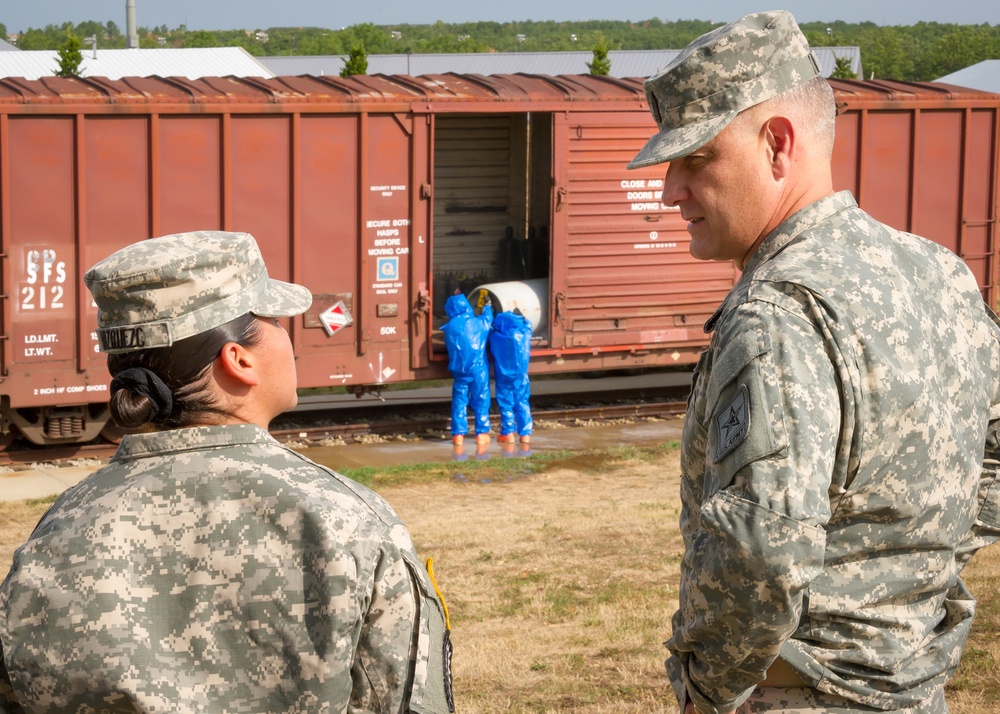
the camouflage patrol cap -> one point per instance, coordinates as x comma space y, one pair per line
719, 75
158, 291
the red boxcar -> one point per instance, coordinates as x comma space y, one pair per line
385, 194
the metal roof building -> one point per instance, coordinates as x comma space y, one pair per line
984, 76
624, 63
192, 63
6, 46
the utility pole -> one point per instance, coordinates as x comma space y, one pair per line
132, 41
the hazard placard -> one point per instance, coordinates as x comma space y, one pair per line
335, 318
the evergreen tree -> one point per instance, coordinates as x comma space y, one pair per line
601, 66
357, 62
70, 57
843, 69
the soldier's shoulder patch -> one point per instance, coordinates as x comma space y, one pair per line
732, 423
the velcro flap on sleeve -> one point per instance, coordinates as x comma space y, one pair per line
746, 421
767, 545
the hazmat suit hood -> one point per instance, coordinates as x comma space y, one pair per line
457, 305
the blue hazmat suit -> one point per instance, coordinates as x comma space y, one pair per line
510, 345
465, 337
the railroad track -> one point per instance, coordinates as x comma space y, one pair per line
428, 422
433, 425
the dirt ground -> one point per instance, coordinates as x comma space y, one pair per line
560, 585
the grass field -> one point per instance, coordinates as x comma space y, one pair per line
561, 572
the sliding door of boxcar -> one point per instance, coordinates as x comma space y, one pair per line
358, 191
622, 277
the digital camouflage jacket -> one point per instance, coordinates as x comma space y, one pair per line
833, 479
212, 569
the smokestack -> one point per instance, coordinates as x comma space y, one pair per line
132, 42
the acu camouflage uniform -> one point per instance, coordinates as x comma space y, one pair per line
211, 569
833, 477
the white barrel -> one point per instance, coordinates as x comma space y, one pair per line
531, 297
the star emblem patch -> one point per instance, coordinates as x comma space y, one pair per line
732, 423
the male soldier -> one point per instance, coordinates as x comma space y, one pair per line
833, 478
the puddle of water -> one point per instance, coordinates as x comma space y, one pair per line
396, 453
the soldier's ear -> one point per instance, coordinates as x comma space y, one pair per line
779, 136
238, 365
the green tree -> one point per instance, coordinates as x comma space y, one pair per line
70, 58
374, 38
601, 66
357, 62
34, 39
200, 38
883, 54
843, 69
962, 47
3, 32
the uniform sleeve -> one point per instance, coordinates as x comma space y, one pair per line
770, 425
400, 663
986, 528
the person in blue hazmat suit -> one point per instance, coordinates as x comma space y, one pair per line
465, 337
510, 345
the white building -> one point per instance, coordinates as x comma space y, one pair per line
192, 63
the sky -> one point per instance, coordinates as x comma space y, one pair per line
19, 15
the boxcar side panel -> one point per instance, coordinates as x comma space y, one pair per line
114, 211
384, 269
979, 227
847, 156
43, 257
627, 280
188, 174
327, 212
937, 185
259, 174
885, 185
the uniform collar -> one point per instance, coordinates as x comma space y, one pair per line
779, 239
194, 438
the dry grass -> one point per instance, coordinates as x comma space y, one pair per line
17, 520
561, 586
561, 583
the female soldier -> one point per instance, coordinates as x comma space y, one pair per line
207, 567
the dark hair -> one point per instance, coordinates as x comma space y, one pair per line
180, 369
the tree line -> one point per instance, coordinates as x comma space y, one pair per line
920, 52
